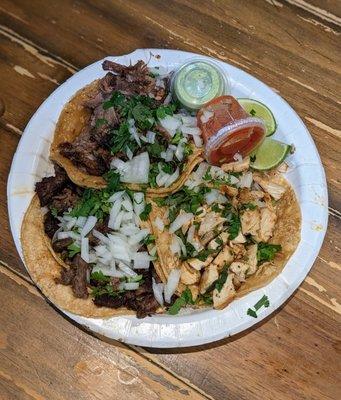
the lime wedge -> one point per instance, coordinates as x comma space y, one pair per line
269, 154
260, 110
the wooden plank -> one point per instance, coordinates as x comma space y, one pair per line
293, 354
43, 356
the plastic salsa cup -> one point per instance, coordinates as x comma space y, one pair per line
227, 129
197, 82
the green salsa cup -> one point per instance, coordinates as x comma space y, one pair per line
197, 82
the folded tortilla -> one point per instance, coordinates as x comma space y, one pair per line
71, 122
44, 267
287, 233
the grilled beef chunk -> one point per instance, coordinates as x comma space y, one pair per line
132, 80
50, 224
141, 300
86, 154
61, 244
65, 200
76, 276
49, 187
79, 283
67, 275
101, 227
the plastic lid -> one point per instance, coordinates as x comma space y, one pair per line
197, 82
241, 136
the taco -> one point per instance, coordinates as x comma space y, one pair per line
86, 249
127, 122
225, 233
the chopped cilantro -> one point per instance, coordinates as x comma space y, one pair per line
219, 283
216, 208
267, 251
207, 299
248, 206
98, 276
207, 176
176, 138
203, 254
54, 211
149, 239
253, 158
73, 249
100, 122
121, 139
155, 149
234, 226
153, 173
263, 302
163, 111
183, 300
252, 112
145, 213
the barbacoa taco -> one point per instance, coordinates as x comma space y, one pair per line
127, 121
228, 231
86, 249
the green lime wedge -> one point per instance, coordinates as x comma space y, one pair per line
260, 110
269, 154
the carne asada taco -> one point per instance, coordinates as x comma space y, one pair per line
228, 231
127, 122
87, 249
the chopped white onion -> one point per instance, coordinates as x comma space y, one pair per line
214, 196
189, 130
131, 285
138, 237
172, 178
182, 246
189, 121
197, 140
206, 116
172, 284
126, 270
246, 180
108, 271
116, 196
133, 131
118, 164
117, 223
85, 249
159, 224
68, 234
171, 124
238, 157
89, 225
138, 203
100, 236
158, 291
190, 234
175, 246
151, 137
137, 169
114, 211
179, 221
81, 222
142, 260
129, 153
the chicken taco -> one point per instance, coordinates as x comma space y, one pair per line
229, 230
127, 121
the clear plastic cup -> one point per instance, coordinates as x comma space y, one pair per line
198, 81
227, 129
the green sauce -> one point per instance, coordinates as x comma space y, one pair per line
198, 82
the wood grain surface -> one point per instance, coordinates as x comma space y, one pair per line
292, 45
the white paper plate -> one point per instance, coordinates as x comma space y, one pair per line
192, 328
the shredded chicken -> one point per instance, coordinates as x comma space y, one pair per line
223, 297
189, 275
209, 276
229, 190
221, 239
267, 224
246, 195
225, 256
239, 239
251, 259
198, 264
210, 221
250, 220
274, 189
237, 166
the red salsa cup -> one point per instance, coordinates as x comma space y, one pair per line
228, 129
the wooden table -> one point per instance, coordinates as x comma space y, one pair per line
293, 46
